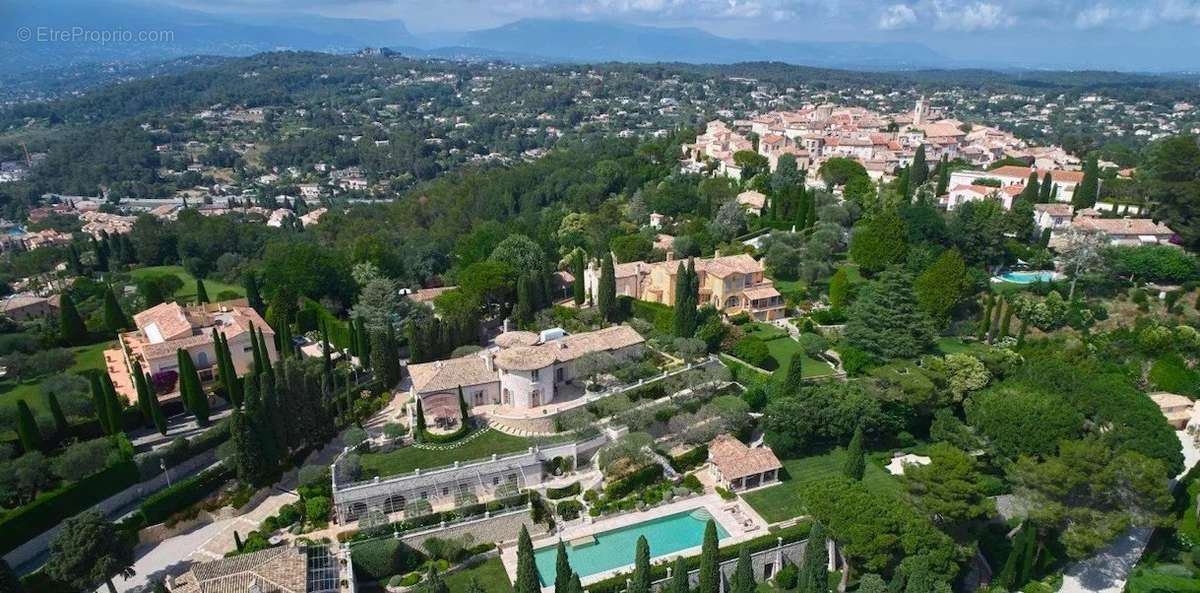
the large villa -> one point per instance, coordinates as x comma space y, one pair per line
731, 283
523, 370
166, 328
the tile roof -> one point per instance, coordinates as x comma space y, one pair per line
441, 375
753, 199
1058, 175
274, 570
735, 460
164, 321
1122, 226
1056, 209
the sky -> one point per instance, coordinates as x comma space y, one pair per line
1088, 32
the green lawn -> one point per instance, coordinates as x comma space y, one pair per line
86, 358
188, 291
949, 345
406, 459
782, 348
1163, 578
781, 502
490, 574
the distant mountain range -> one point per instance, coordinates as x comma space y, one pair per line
524, 41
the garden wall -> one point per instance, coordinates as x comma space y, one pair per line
116, 503
500, 528
775, 557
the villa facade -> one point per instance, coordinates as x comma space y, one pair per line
166, 328
523, 370
736, 467
732, 283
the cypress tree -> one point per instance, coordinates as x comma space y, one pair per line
139, 386
523, 310
352, 325
904, 185
70, 324
1031, 192
1005, 322
326, 349
679, 577
189, 380
683, 322
237, 541
578, 271
920, 169
156, 413
606, 300
943, 184
257, 413
101, 252
985, 319
710, 573
856, 462
1021, 334
463, 410
800, 218
839, 289
201, 293
247, 446
562, 570
743, 573
223, 371
379, 354
814, 567
995, 323
1089, 187
527, 577
576, 586
812, 213
73, 260
794, 379
640, 583
116, 422
27, 428
1044, 195
250, 283
114, 318
235, 385
266, 356
419, 433
99, 402
364, 344
61, 426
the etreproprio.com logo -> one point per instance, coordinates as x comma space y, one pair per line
86, 35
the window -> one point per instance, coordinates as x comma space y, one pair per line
496, 481
424, 496
445, 491
534, 374
512, 478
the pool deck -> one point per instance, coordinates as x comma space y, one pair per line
736, 517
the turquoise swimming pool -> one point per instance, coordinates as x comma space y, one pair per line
1028, 277
615, 548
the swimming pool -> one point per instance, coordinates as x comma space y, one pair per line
615, 548
1028, 277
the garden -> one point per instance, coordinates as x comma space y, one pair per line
785, 501
771, 349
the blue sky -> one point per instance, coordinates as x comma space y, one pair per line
1084, 32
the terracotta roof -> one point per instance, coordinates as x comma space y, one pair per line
425, 295
164, 321
516, 338
274, 570
1056, 209
762, 291
729, 264
20, 301
525, 358
161, 349
610, 338
979, 189
1058, 175
1123, 226
753, 199
449, 374
735, 460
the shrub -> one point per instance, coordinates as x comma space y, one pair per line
569, 509
1171, 373
571, 489
691, 482
725, 494
164, 503
690, 459
380, 559
787, 576
829, 316
855, 361
638, 479
752, 350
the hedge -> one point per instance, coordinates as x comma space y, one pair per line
571, 489
382, 558
311, 315
164, 503
618, 583
643, 477
51, 508
652, 391
569, 509
690, 459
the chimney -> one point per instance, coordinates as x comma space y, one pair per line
670, 256
488, 359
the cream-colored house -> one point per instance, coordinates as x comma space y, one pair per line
166, 328
731, 283
523, 370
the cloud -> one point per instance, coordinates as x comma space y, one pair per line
1092, 17
897, 17
973, 16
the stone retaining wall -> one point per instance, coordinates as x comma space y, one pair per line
500, 528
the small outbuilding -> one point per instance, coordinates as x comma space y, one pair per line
736, 467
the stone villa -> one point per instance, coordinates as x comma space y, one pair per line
523, 370
165, 328
731, 283
734, 466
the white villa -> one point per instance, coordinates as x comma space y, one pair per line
523, 370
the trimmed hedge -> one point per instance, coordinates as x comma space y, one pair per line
638, 479
164, 503
51, 508
690, 459
618, 582
569, 509
382, 558
571, 489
